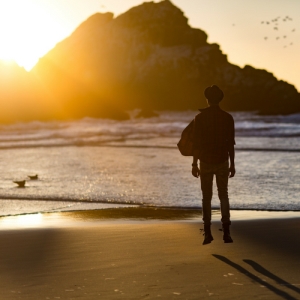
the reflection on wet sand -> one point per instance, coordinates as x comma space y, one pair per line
91, 217
138, 213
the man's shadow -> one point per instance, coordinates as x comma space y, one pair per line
257, 267
263, 271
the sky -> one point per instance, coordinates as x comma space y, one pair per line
30, 28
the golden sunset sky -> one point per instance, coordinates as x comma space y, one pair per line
30, 28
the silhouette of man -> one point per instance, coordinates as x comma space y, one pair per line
213, 145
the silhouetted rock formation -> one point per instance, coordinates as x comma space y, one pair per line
149, 58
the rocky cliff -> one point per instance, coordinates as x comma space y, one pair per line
150, 58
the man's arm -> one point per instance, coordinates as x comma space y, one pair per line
231, 158
195, 169
231, 149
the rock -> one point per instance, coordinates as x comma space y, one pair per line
148, 58
147, 113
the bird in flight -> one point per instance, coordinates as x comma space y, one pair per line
276, 25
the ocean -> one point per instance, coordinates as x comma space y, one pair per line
92, 164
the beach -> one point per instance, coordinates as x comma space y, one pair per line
97, 198
123, 258
116, 214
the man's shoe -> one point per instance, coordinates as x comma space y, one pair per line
227, 238
208, 238
226, 234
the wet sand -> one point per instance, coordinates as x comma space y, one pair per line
151, 259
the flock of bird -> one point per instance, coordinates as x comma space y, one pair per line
275, 24
21, 183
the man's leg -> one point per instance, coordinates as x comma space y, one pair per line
222, 173
206, 178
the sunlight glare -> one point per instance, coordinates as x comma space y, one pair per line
27, 32
23, 221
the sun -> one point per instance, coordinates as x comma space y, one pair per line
27, 58
27, 31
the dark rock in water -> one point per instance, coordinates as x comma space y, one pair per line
113, 113
149, 58
146, 113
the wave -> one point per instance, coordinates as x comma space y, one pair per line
89, 131
62, 199
56, 202
107, 145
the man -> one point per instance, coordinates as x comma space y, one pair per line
213, 145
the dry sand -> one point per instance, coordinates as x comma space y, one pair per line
147, 260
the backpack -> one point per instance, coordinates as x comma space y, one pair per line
185, 144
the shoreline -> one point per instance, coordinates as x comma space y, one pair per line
130, 215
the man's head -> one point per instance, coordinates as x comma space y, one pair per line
213, 94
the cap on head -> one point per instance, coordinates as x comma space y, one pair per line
214, 94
